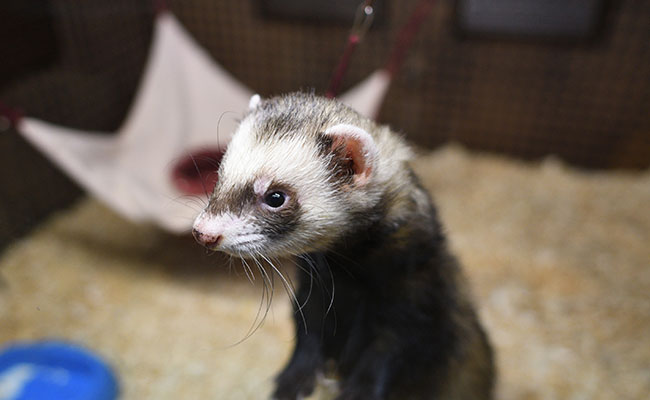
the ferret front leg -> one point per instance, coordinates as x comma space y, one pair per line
298, 378
369, 379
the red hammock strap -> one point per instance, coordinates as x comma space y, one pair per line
337, 77
406, 36
160, 6
402, 44
362, 21
13, 115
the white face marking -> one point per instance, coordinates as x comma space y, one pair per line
236, 232
261, 185
294, 160
214, 225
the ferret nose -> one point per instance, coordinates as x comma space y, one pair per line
206, 239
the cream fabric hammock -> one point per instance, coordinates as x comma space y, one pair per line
182, 95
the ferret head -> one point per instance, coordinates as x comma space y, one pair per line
300, 174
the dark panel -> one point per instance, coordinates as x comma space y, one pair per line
26, 38
531, 18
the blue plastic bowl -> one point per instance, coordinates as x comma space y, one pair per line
52, 370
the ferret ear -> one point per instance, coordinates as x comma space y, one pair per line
254, 101
356, 147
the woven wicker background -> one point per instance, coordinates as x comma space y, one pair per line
586, 102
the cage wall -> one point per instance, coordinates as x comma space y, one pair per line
586, 101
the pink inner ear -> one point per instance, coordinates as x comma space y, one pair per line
353, 150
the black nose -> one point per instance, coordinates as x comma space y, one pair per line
207, 240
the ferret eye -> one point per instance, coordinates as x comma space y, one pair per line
275, 199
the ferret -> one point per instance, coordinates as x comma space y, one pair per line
379, 297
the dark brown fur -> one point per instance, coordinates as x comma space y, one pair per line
401, 325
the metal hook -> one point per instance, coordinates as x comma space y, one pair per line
363, 18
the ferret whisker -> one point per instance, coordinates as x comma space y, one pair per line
311, 280
184, 203
311, 262
223, 114
289, 289
244, 266
237, 273
194, 197
265, 294
342, 265
287, 278
266, 278
230, 261
210, 161
248, 271
311, 268
344, 258
245, 242
300, 306
255, 325
324, 290
198, 170
331, 305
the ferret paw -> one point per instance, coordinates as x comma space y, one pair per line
357, 393
294, 386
